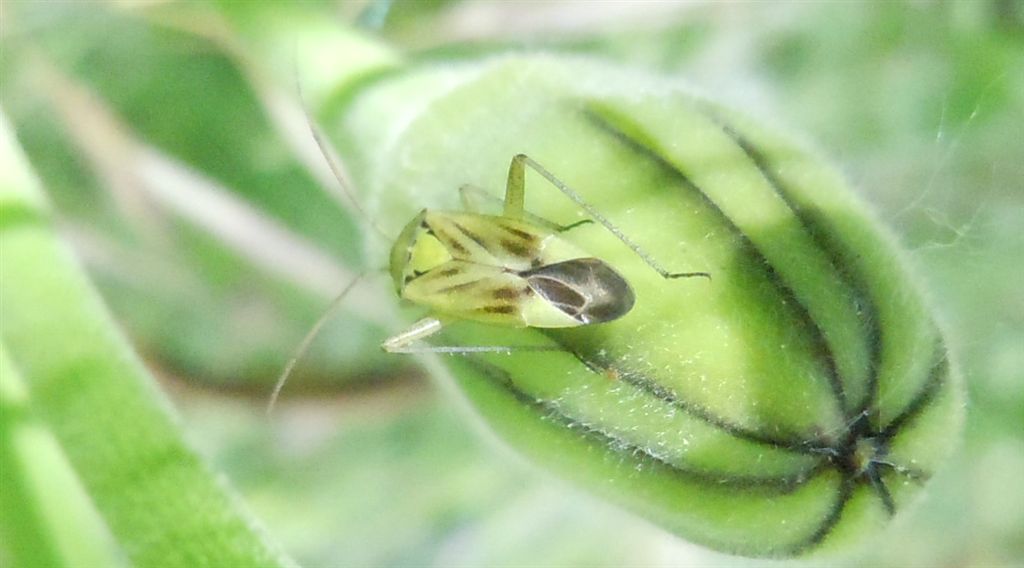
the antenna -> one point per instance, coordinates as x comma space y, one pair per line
334, 164
327, 151
300, 351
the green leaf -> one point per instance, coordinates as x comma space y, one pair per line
48, 519
174, 286
160, 502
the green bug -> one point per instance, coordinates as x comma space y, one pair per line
512, 269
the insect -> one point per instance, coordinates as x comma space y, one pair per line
514, 269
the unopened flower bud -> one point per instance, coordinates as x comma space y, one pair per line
792, 403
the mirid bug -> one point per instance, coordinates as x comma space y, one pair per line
513, 269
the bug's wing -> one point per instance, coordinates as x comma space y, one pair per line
471, 291
489, 240
586, 289
486, 294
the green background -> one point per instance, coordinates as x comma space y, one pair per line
366, 462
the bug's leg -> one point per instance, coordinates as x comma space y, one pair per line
474, 349
404, 342
421, 329
477, 200
515, 188
571, 226
521, 160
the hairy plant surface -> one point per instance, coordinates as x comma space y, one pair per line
798, 399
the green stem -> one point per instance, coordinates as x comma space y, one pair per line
160, 501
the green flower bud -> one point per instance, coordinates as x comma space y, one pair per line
791, 404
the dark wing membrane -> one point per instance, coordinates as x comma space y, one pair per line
586, 289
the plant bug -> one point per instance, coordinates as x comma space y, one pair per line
513, 269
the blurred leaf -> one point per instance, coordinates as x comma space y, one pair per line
151, 267
921, 102
48, 518
161, 503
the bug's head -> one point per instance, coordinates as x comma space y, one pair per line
415, 251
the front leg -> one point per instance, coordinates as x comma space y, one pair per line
402, 343
428, 326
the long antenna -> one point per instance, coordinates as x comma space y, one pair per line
333, 163
300, 351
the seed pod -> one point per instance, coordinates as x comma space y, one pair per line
792, 404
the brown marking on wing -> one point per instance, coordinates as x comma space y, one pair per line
450, 271
507, 293
524, 235
457, 287
517, 248
500, 309
454, 244
472, 236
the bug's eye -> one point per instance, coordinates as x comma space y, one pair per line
584, 288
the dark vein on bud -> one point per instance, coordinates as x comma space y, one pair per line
855, 281
880, 488
830, 521
858, 456
546, 409
608, 442
651, 387
823, 349
817, 230
869, 318
937, 378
